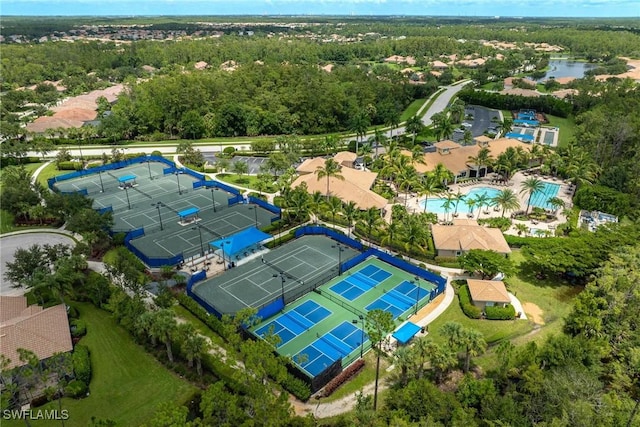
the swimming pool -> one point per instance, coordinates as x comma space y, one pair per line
435, 205
540, 199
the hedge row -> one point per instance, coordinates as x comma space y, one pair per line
69, 166
196, 309
293, 385
76, 389
500, 313
344, 376
78, 328
82, 363
466, 305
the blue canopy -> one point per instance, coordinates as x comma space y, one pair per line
406, 332
187, 212
126, 178
527, 122
236, 243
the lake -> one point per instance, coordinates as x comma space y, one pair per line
566, 68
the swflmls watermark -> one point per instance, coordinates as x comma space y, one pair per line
35, 414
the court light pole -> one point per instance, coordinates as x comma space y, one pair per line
340, 250
178, 179
149, 167
255, 212
416, 280
158, 206
200, 234
213, 199
355, 321
126, 190
101, 184
224, 261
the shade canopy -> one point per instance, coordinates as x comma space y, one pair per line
236, 243
188, 212
406, 332
126, 178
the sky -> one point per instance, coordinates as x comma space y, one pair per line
530, 8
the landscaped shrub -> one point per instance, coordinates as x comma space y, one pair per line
467, 307
76, 389
297, 387
156, 153
196, 309
69, 166
78, 328
343, 377
82, 363
499, 222
500, 313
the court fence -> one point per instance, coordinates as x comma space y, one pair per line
149, 261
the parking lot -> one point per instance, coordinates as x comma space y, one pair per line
484, 119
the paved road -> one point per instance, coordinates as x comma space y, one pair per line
438, 105
11, 243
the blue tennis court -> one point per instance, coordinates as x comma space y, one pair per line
292, 323
416, 293
325, 350
360, 282
393, 301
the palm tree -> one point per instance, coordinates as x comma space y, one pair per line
163, 328
371, 218
531, 185
458, 197
448, 202
330, 170
482, 200
334, 206
443, 126
415, 235
521, 228
351, 212
471, 204
456, 109
414, 126
507, 200
505, 126
315, 202
483, 158
473, 343
557, 203
417, 155
407, 179
428, 188
329, 143
193, 345
441, 174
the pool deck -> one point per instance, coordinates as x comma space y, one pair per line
565, 193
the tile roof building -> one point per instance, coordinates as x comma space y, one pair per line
44, 331
464, 235
355, 187
487, 293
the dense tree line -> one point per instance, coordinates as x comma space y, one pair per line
259, 99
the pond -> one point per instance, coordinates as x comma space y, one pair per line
566, 68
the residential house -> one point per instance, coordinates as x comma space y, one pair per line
488, 293
464, 235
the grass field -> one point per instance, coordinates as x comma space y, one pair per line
567, 128
412, 109
248, 181
127, 383
48, 172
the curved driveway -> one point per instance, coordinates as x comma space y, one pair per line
10, 243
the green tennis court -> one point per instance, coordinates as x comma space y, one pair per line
292, 269
315, 340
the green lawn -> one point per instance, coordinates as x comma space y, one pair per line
553, 297
48, 172
248, 181
412, 109
127, 384
567, 128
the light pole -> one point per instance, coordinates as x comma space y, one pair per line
200, 234
101, 184
149, 167
126, 190
255, 212
355, 322
416, 280
178, 179
213, 199
224, 262
340, 250
158, 206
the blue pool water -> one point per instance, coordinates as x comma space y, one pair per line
435, 205
540, 199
